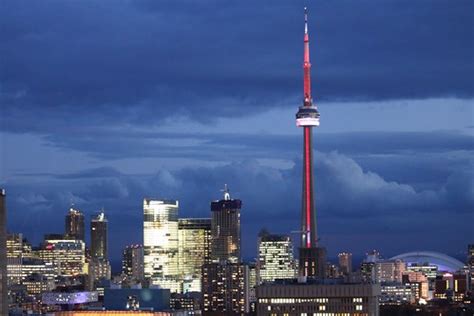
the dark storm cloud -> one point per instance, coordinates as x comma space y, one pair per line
349, 199
65, 64
114, 144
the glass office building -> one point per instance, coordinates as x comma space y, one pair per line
160, 243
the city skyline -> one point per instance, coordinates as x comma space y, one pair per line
401, 130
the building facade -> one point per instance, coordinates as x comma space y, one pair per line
225, 229
68, 256
290, 298
132, 262
194, 235
99, 237
225, 288
275, 257
345, 262
160, 243
74, 224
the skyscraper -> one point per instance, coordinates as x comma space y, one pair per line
225, 289
225, 280
194, 250
312, 257
99, 265
99, 236
275, 257
3, 255
75, 225
160, 243
345, 262
132, 262
225, 228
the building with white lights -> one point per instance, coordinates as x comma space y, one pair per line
275, 257
160, 243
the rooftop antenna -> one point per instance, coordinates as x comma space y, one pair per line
226, 192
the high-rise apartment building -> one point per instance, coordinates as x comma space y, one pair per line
225, 290
99, 236
275, 257
345, 262
3, 255
160, 243
74, 224
132, 262
389, 271
194, 235
225, 228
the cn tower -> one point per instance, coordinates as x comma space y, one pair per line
312, 258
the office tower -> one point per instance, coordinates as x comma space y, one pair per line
225, 228
224, 288
451, 286
421, 281
99, 265
3, 255
99, 236
75, 225
194, 235
288, 297
160, 243
68, 256
17, 271
275, 257
389, 271
470, 263
345, 262
132, 262
312, 257
398, 294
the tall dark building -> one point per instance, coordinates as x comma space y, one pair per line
225, 228
3, 255
132, 262
75, 225
99, 236
225, 279
312, 257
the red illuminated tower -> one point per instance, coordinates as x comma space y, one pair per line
312, 258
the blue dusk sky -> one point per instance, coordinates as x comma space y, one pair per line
104, 103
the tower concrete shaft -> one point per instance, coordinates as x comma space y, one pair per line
311, 256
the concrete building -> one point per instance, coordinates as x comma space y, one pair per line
345, 262
19, 269
225, 288
132, 262
160, 243
275, 257
421, 281
389, 271
68, 256
397, 294
194, 235
314, 298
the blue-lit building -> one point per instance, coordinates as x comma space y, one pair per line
137, 299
